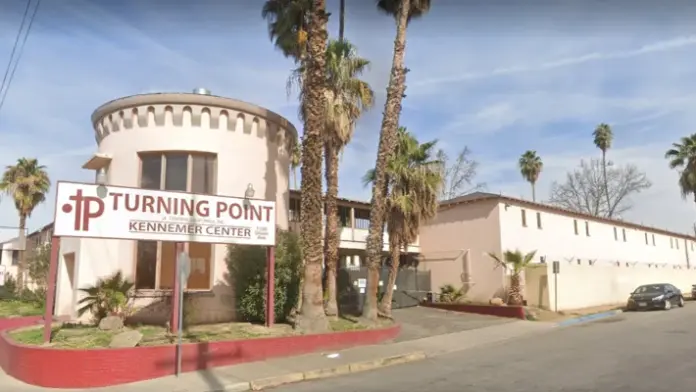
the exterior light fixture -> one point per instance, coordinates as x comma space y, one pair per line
248, 194
101, 182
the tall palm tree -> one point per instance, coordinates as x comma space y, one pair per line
27, 183
682, 156
415, 180
311, 316
347, 97
515, 262
530, 167
603, 136
402, 11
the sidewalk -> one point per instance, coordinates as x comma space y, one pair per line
267, 374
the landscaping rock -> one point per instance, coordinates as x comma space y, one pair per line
497, 302
111, 323
126, 339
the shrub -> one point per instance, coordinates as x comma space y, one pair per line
107, 297
247, 272
450, 294
9, 290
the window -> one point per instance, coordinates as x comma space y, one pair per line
671, 243
676, 243
587, 228
616, 234
623, 234
575, 226
538, 214
646, 239
653, 239
524, 218
15, 257
156, 260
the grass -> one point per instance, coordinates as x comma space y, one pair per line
16, 308
79, 336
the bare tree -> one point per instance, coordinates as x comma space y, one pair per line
584, 189
458, 174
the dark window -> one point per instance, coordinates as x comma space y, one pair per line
538, 216
202, 174
575, 226
176, 173
616, 234
623, 234
587, 228
151, 175
15, 257
524, 218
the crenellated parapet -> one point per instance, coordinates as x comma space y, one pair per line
207, 112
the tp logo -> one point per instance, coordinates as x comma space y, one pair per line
84, 211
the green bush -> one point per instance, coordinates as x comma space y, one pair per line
9, 290
247, 271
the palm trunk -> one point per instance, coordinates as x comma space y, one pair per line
533, 192
515, 295
606, 183
387, 145
395, 250
311, 317
331, 239
22, 252
342, 20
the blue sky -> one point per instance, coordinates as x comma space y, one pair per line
499, 79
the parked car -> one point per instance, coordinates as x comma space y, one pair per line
693, 291
655, 296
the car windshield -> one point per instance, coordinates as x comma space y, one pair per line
651, 288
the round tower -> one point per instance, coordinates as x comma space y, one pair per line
248, 145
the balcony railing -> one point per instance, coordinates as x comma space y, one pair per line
349, 234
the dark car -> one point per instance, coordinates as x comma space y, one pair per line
655, 296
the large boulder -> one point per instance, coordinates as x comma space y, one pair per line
130, 338
111, 323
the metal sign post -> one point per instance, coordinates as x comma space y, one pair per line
556, 271
184, 270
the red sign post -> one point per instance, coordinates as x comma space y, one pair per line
142, 214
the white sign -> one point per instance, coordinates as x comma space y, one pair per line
141, 214
362, 283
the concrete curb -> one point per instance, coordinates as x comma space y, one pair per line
589, 317
271, 382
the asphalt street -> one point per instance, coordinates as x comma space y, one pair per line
633, 352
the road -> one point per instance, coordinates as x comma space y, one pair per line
633, 352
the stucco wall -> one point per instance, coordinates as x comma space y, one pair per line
457, 230
252, 146
556, 240
586, 285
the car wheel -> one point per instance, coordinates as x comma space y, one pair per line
681, 302
668, 305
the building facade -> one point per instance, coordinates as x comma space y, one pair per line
455, 246
193, 142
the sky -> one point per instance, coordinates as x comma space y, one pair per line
499, 78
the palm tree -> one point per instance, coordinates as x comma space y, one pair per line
415, 180
288, 22
603, 137
515, 262
402, 11
27, 183
530, 167
311, 317
347, 97
682, 156
108, 296
295, 160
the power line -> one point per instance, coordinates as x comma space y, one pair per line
14, 47
21, 50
